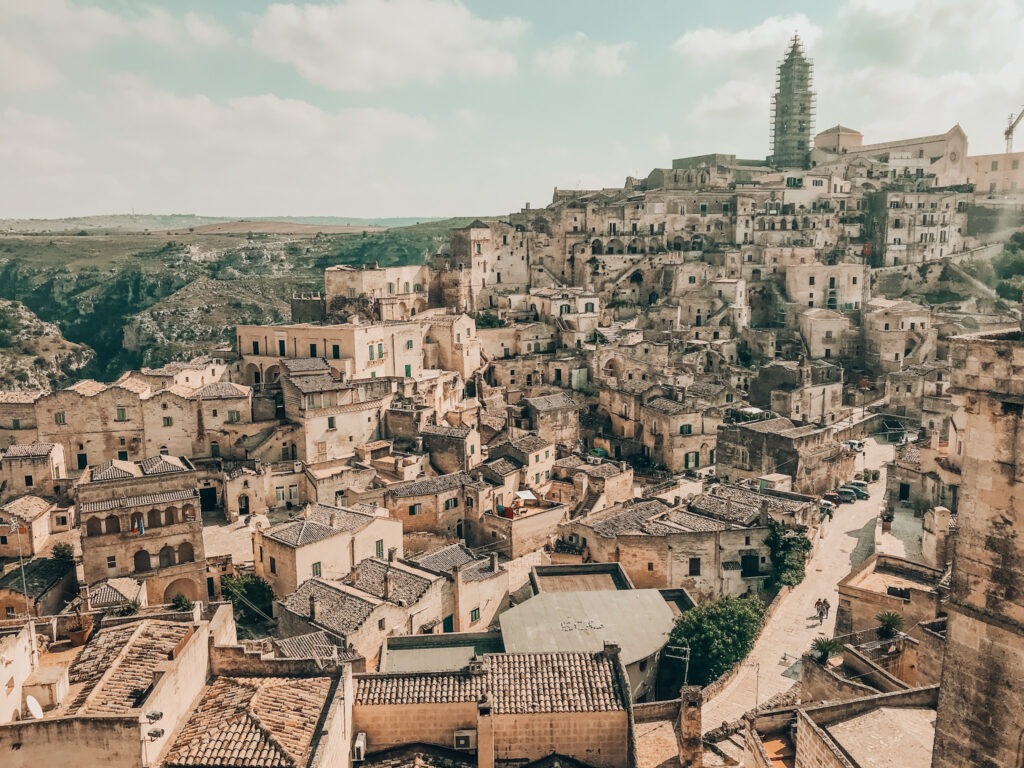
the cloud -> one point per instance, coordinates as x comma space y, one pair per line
366, 45
22, 70
581, 54
767, 40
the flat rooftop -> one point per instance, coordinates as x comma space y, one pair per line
888, 737
588, 577
438, 653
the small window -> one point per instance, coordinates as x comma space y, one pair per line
335, 351
371, 351
3, 539
474, 615
234, 417
312, 350
409, 344
273, 564
650, 566
214, 413
316, 569
58, 418
380, 548
122, 455
330, 422
255, 347
415, 509
28, 481
168, 421
281, 347
381, 625
111, 561
695, 566
685, 429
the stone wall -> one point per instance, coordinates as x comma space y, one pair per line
599, 739
112, 742
393, 725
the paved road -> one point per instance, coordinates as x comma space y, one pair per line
846, 542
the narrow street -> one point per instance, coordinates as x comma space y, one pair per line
845, 543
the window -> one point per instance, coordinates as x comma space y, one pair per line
234, 417
371, 351
122, 455
381, 625
111, 561
685, 429
1015, 165
281, 347
695, 566
995, 165
28, 481
279, 494
312, 350
3, 539
650, 566
810, 280
273, 564
692, 279
409, 344
9, 614
215, 449
415, 509
408, 371
335, 351
214, 413
380, 351
380, 547
330, 422
15, 423
62, 520
474, 615
255, 347
451, 503
316, 569
83, 461
58, 418
168, 421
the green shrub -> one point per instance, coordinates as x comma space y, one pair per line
182, 603
823, 648
719, 634
63, 552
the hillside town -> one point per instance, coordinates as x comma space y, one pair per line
455, 513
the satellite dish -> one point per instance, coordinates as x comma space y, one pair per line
33, 707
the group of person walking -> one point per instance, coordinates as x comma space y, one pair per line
822, 608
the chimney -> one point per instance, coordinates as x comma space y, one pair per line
330, 521
690, 740
611, 650
392, 554
312, 607
389, 584
494, 562
86, 598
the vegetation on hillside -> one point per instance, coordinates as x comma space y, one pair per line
788, 548
1005, 272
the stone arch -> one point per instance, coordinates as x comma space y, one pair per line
166, 556
597, 248
616, 246
678, 243
613, 368
418, 306
186, 553
272, 375
243, 504
755, 274
154, 519
252, 375
637, 278
403, 309
652, 297
136, 521
112, 524
185, 587
635, 246
170, 516
188, 512
142, 561
93, 527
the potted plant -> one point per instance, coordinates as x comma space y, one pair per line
80, 627
889, 624
823, 648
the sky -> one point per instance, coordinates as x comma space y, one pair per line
380, 108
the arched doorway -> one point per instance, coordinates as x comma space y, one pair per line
112, 524
186, 554
185, 587
243, 504
142, 561
166, 556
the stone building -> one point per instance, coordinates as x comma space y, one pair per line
18, 416
323, 542
982, 695
806, 391
35, 468
555, 418
389, 293
887, 583
24, 526
910, 226
921, 393
897, 333
44, 589
506, 707
143, 519
793, 110
478, 587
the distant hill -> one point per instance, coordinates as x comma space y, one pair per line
184, 221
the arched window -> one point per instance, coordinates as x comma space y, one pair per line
186, 554
153, 518
93, 527
214, 449
137, 521
166, 557
170, 516
142, 562
112, 524
163, 450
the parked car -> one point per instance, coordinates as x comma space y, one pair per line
858, 492
856, 446
858, 484
832, 498
826, 507
846, 495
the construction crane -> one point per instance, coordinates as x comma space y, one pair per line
1012, 125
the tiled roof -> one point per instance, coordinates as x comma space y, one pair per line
530, 443
524, 683
719, 507
668, 407
753, 500
308, 384
377, 577
28, 451
445, 560
299, 533
28, 508
502, 466
430, 485
115, 591
114, 469
221, 390
88, 387
305, 364
338, 518
692, 522
96, 658
129, 680
315, 645
337, 610
444, 430
555, 402
160, 464
569, 462
777, 425
152, 499
626, 518
263, 722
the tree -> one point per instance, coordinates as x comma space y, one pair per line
789, 548
64, 553
489, 320
889, 624
719, 634
823, 648
251, 596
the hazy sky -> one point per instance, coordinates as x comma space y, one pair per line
436, 108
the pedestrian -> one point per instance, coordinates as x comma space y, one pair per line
819, 609
827, 606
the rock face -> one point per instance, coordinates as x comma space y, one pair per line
33, 353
